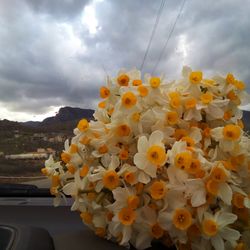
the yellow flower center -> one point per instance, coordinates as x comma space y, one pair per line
104, 92
231, 132
85, 140
190, 142
102, 105
158, 190
240, 246
182, 218
65, 157
240, 85
103, 149
238, 200
195, 77
136, 117
137, 82
71, 168
44, 171
230, 78
155, 82
127, 216
231, 95
157, 231
179, 133
123, 130
209, 227
212, 186
175, 100
218, 174
156, 155
123, 154
55, 180
110, 179
84, 170
183, 160
73, 148
100, 232
190, 103
208, 82
227, 115
172, 117
129, 100
86, 217
83, 125
123, 80
129, 177
133, 201
194, 167
143, 91
206, 98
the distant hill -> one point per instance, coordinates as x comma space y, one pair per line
246, 120
66, 114
65, 119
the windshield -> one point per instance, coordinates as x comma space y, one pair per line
55, 55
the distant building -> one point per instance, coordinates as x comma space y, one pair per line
41, 150
51, 151
27, 156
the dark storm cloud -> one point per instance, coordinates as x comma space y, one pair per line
49, 57
62, 9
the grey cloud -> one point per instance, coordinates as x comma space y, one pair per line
50, 58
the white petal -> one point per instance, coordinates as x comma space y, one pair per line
142, 144
217, 243
69, 189
215, 111
143, 240
198, 198
195, 134
229, 234
119, 193
216, 133
225, 218
140, 160
247, 202
225, 193
114, 162
156, 137
150, 170
126, 234
99, 186
143, 177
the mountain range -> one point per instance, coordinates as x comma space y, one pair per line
67, 118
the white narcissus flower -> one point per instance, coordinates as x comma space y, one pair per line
228, 136
74, 189
162, 161
106, 175
151, 155
216, 228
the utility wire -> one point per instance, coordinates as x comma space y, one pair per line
169, 36
153, 32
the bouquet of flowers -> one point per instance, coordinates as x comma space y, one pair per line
162, 161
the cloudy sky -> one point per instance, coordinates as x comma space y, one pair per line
55, 52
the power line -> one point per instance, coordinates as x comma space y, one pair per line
169, 36
153, 32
